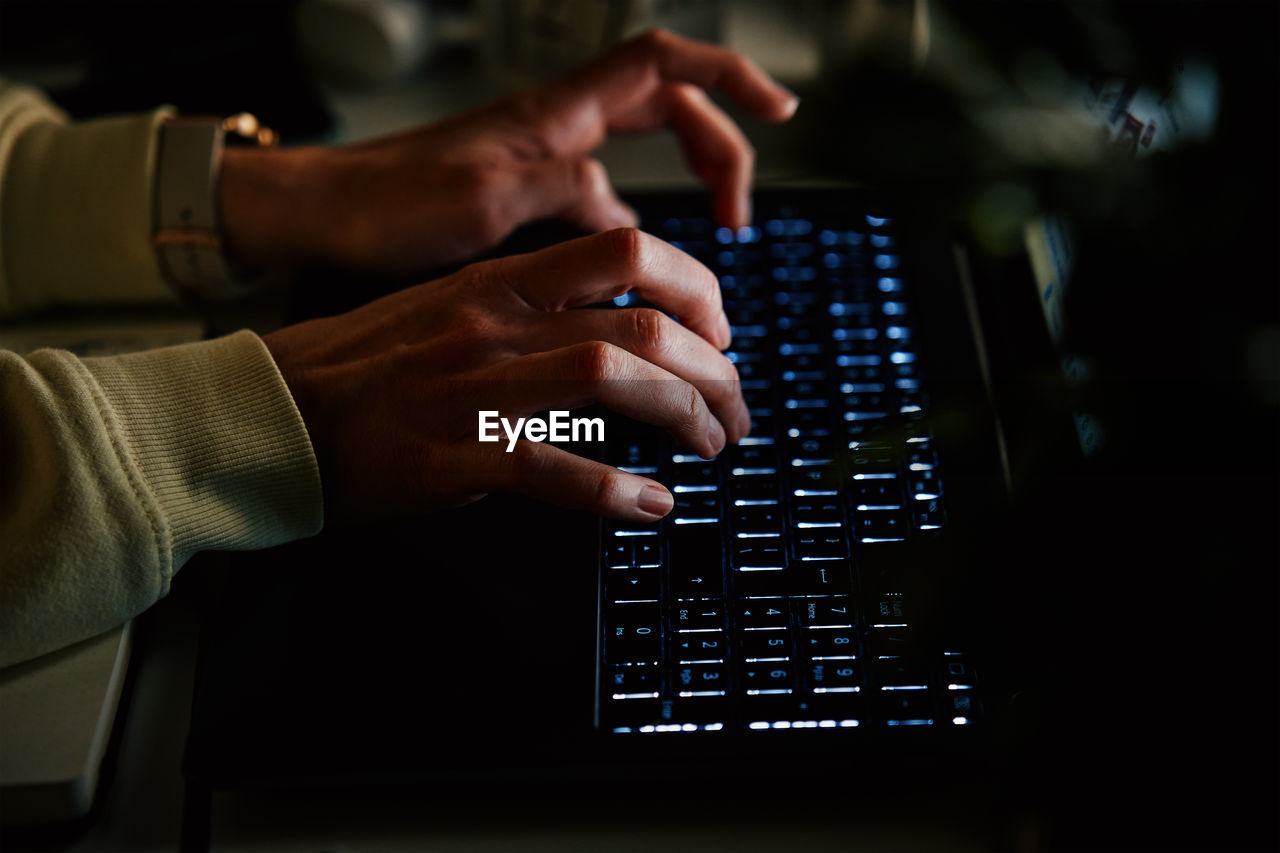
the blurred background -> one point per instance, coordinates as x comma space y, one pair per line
998, 109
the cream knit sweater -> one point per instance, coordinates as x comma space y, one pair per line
115, 471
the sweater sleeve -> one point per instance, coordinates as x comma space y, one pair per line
75, 207
114, 471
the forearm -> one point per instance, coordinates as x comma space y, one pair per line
115, 471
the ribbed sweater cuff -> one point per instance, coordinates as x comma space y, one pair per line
217, 442
77, 208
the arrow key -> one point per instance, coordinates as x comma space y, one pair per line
632, 584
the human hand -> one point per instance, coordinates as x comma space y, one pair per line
390, 392
447, 191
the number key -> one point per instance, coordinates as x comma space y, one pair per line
765, 645
833, 676
767, 677
761, 613
829, 643
700, 646
698, 616
701, 679
834, 612
632, 633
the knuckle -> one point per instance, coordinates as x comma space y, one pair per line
525, 467
709, 286
694, 413
649, 329
485, 219
628, 247
471, 322
595, 361
606, 491
487, 277
521, 463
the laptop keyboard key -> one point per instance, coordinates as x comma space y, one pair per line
820, 545
904, 708
698, 616
775, 644
761, 583
648, 554
633, 633
768, 678
834, 612
817, 513
757, 521
702, 679
832, 676
633, 682
619, 554
696, 560
902, 673
876, 526
829, 643
761, 613
632, 585
690, 647
825, 577
759, 554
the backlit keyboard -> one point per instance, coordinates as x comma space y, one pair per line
752, 607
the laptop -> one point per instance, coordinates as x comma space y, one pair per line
793, 608
941, 560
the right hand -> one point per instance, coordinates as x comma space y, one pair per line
445, 192
390, 392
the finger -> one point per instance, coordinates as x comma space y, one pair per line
545, 472
603, 266
660, 341
577, 110
599, 372
716, 150
575, 190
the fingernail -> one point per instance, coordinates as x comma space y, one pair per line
654, 501
717, 436
792, 105
723, 332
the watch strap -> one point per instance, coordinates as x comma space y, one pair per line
188, 235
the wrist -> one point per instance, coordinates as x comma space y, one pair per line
276, 205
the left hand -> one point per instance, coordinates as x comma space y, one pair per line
445, 192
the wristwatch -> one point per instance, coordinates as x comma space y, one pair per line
188, 233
